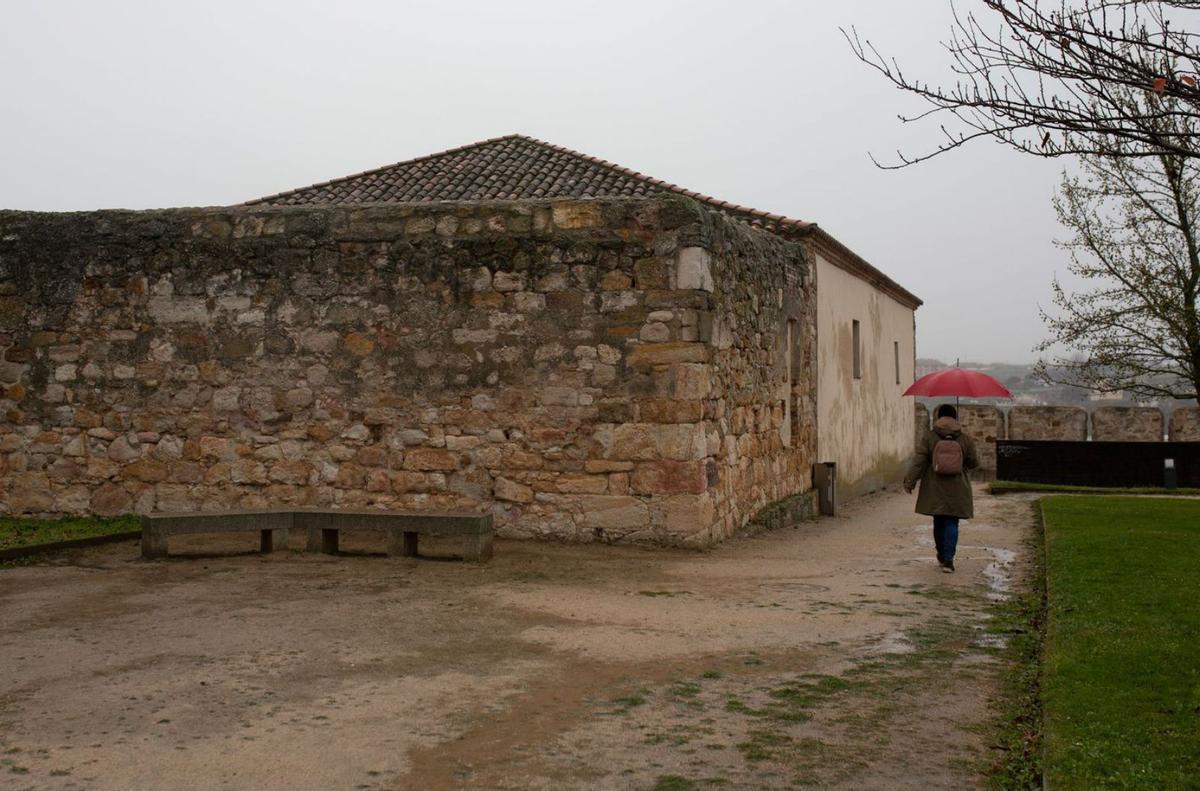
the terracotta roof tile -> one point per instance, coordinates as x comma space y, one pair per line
506, 168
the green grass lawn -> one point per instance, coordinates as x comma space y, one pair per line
1012, 487
30, 532
1121, 685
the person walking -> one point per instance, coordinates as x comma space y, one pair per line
943, 457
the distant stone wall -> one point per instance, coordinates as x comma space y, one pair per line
552, 362
922, 423
1185, 425
1048, 422
1127, 424
984, 424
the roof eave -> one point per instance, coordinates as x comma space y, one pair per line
846, 259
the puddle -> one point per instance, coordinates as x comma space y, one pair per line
995, 572
894, 643
991, 641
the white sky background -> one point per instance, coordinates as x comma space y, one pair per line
151, 104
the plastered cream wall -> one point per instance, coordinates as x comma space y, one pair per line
864, 424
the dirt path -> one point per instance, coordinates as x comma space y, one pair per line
834, 655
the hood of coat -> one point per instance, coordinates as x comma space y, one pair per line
947, 428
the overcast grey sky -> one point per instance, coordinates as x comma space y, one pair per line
150, 104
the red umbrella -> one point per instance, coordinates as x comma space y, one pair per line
958, 382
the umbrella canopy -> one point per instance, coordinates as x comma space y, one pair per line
958, 382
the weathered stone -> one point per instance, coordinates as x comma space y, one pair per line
650, 354
508, 281
617, 514
606, 465
693, 269
175, 310
169, 448
293, 472
528, 302
666, 410
29, 493
615, 280
1056, 423
111, 500
147, 470
1127, 424
299, 397
463, 443
1185, 424
634, 442
652, 273
669, 477
428, 459
574, 483
655, 332
560, 396
507, 490
573, 216
226, 399
371, 457
688, 514
359, 344
120, 449
682, 441
248, 471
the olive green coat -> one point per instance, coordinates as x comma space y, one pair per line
943, 495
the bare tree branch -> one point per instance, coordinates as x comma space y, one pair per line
1054, 78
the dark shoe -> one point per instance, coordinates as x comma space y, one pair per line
948, 567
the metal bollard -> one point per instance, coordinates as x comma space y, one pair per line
1170, 479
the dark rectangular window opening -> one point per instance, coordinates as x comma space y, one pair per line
896, 347
857, 341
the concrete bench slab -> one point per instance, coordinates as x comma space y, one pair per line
322, 529
272, 527
402, 528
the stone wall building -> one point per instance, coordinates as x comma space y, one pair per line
586, 352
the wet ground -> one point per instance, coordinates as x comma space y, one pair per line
835, 654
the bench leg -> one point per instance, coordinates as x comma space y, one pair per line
329, 541
154, 542
322, 540
402, 543
270, 540
478, 548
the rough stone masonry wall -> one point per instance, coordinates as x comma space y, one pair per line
1127, 424
1048, 422
1184, 425
546, 361
761, 414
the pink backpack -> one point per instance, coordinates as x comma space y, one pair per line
947, 457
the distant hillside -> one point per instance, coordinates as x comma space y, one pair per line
1027, 389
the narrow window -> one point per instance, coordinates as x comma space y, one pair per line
896, 348
789, 360
857, 341
791, 354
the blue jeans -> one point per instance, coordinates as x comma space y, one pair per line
945, 537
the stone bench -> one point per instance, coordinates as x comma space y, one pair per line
272, 527
402, 530
322, 528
